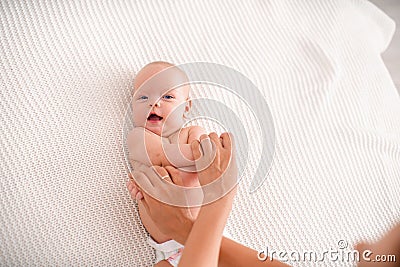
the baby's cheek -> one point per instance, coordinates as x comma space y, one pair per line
173, 123
139, 118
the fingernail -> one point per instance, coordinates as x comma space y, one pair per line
139, 196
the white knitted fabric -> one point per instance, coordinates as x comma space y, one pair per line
66, 70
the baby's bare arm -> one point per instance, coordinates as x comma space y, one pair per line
145, 147
194, 133
148, 148
181, 155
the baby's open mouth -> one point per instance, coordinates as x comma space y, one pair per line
154, 117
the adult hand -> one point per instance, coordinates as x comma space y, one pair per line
216, 165
165, 216
219, 179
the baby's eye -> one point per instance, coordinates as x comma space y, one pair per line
168, 97
143, 97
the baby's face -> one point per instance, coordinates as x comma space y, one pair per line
159, 105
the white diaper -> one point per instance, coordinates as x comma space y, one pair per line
171, 250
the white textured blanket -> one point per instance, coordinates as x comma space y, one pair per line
66, 70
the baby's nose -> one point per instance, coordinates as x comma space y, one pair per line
157, 104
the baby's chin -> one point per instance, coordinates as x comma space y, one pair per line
162, 128
155, 130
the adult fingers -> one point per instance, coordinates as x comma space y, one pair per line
158, 169
227, 140
196, 150
201, 139
153, 176
136, 195
143, 202
132, 188
142, 182
213, 135
162, 173
175, 175
129, 185
203, 136
206, 146
134, 191
208, 153
216, 140
141, 167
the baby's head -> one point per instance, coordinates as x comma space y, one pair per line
160, 98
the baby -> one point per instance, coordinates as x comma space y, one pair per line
159, 105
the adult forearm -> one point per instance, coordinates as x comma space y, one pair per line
203, 244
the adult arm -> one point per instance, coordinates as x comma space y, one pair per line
203, 244
387, 247
202, 247
168, 217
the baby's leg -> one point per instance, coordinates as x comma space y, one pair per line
150, 226
189, 180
